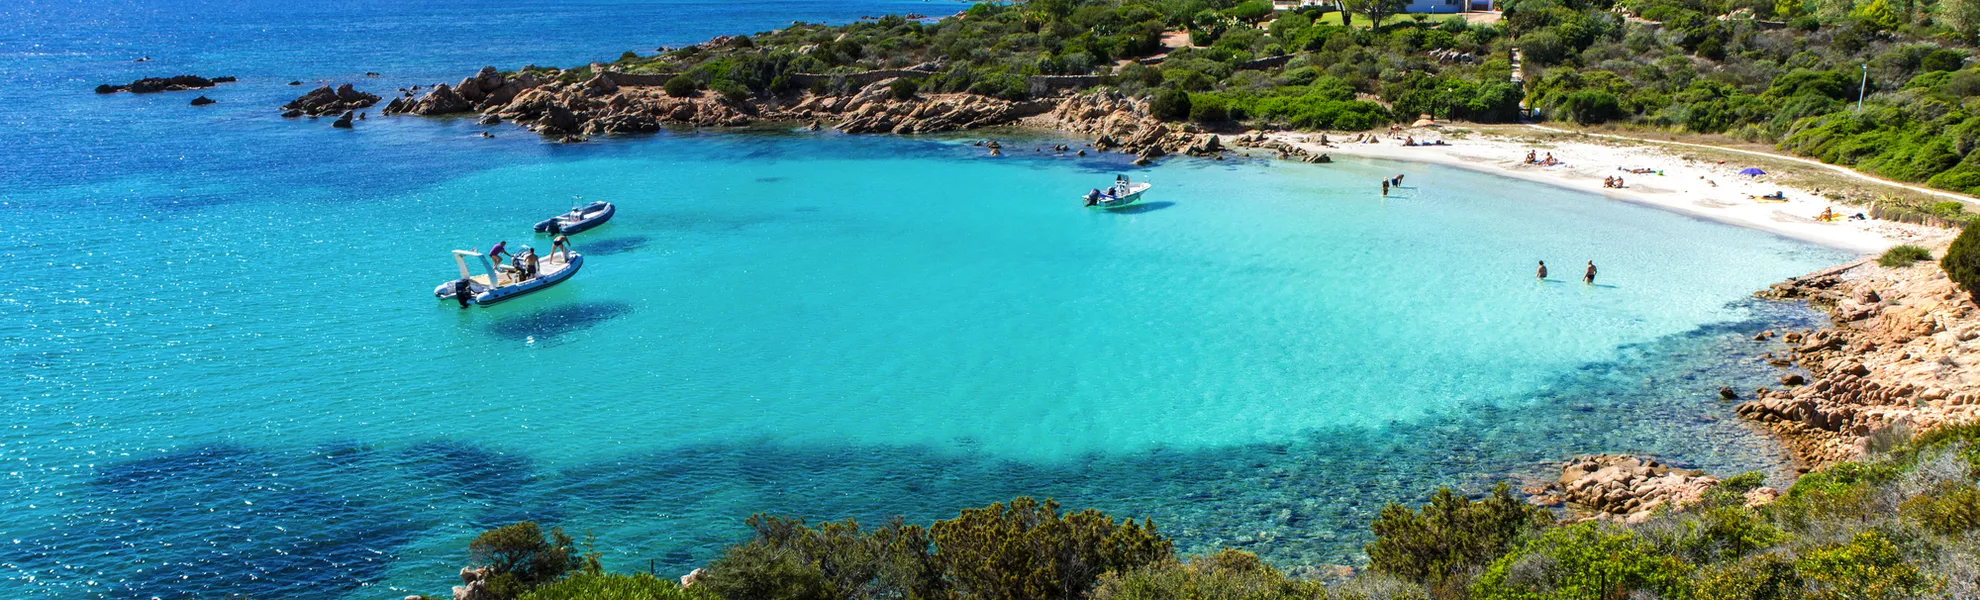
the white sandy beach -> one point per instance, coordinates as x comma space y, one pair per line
1707, 190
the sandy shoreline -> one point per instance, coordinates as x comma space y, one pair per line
1705, 190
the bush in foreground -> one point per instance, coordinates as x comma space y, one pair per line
520, 557
1226, 575
611, 586
1024, 550
1903, 255
1450, 536
1962, 261
681, 86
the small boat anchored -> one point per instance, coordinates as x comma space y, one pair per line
578, 219
502, 282
1122, 193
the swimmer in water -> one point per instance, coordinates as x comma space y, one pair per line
1543, 271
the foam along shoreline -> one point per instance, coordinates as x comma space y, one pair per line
1706, 190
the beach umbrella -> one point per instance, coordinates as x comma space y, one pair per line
1751, 171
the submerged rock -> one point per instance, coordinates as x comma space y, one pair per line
201, 101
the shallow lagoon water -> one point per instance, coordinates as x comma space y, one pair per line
226, 375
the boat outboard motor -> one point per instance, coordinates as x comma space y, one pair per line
1092, 197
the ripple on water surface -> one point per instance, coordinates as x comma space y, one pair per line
1261, 359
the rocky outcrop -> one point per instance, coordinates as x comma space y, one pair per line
1123, 124
474, 585
177, 83
873, 110
329, 101
1620, 486
1903, 357
201, 101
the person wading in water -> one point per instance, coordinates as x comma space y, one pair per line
1589, 277
1543, 270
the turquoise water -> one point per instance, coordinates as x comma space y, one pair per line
225, 373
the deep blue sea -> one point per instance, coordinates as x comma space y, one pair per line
224, 373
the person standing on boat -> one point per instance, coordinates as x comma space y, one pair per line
1543, 271
495, 254
463, 290
1589, 276
561, 246
530, 265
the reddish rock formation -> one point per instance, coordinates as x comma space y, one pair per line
1902, 358
1619, 486
329, 101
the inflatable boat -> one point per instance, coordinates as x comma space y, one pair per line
1122, 193
578, 219
503, 282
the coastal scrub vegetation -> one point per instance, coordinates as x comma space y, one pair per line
1785, 72
1962, 261
1904, 523
1903, 255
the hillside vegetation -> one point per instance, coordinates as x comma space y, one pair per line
1783, 72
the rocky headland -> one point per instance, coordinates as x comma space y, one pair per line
606, 103
1901, 358
177, 83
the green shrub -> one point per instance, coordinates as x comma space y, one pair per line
1962, 261
1170, 104
520, 557
1768, 576
1903, 255
730, 90
1451, 535
903, 88
1950, 509
603, 586
1868, 567
752, 572
681, 86
1727, 533
1026, 550
788, 559
1226, 575
1208, 108
1585, 560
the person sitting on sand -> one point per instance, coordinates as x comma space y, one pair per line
1828, 214
1589, 276
1609, 182
1619, 182
1532, 157
1542, 275
1409, 141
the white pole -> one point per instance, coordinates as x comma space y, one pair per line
1863, 87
